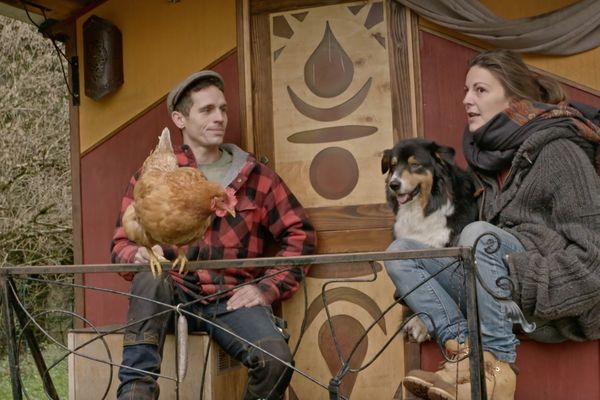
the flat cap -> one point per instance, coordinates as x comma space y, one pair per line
176, 93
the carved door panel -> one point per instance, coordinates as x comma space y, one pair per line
328, 88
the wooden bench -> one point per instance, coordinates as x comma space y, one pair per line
225, 377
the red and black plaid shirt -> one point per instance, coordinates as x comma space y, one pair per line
265, 209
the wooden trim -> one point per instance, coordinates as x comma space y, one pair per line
356, 240
79, 299
270, 6
405, 77
351, 217
65, 12
262, 92
400, 72
415, 74
245, 74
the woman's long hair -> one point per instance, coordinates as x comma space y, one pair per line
519, 82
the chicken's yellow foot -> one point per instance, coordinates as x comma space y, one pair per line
181, 260
155, 266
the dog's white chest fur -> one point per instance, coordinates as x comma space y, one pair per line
411, 223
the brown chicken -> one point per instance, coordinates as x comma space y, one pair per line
172, 205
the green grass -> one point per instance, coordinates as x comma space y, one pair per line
31, 381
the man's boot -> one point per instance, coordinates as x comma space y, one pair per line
418, 382
500, 382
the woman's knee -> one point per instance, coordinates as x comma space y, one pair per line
472, 232
405, 244
392, 266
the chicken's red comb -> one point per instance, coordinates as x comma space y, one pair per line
223, 206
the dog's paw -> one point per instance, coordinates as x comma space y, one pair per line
415, 330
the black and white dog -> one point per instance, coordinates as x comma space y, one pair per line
432, 198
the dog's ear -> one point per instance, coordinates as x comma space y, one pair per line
444, 153
386, 159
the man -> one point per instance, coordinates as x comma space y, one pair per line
265, 208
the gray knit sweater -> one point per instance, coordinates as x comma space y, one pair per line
551, 202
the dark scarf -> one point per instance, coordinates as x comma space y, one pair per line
492, 147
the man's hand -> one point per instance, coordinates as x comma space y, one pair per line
143, 257
246, 296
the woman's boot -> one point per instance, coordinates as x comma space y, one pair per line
418, 382
500, 383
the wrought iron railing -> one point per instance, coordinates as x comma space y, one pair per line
13, 306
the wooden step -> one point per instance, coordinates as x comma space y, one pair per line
225, 377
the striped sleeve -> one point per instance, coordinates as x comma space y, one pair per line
288, 222
122, 249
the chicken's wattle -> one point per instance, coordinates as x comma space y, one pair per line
224, 206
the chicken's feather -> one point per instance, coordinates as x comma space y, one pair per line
172, 205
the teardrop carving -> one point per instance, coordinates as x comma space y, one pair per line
329, 70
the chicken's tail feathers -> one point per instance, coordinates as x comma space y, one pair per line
164, 141
133, 229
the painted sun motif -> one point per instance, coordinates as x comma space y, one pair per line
331, 85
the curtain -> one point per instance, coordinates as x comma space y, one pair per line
569, 30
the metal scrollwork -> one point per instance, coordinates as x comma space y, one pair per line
512, 309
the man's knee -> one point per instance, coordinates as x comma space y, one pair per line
269, 374
141, 389
148, 306
276, 352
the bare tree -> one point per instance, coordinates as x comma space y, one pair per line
35, 185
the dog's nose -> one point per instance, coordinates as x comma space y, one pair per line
395, 185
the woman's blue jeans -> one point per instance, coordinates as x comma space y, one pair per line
443, 297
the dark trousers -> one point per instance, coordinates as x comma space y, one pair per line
143, 342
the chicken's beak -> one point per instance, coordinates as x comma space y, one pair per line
231, 211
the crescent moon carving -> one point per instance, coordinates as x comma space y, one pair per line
333, 113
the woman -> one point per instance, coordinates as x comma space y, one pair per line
540, 226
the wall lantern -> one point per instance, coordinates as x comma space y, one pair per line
102, 57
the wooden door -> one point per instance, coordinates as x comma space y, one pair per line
329, 85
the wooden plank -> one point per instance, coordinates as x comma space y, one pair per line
225, 377
55, 9
353, 307
76, 195
415, 59
366, 216
245, 74
332, 123
269, 6
343, 226
261, 89
354, 241
400, 50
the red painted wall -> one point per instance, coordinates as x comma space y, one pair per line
548, 371
105, 172
561, 371
443, 69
